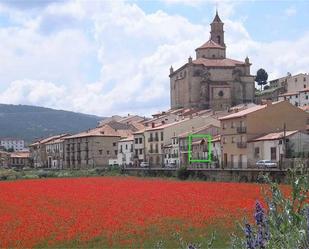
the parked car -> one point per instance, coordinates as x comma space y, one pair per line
266, 164
144, 164
170, 165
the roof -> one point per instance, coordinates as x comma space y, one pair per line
243, 112
226, 62
127, 139
58, 140
305, 108
20, 154
274, 136
185, 134
210, 44
288, 94
217, 18
162, 126
216, 138
48, 139
305, 90
96, 132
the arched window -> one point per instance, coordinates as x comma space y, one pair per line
219, 39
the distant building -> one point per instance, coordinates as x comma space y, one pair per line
20, 159
138, 147
212, 81
4, 159
243, 126
300, 98
12, 143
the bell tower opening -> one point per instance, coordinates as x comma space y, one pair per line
217, 32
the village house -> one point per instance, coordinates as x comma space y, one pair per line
55, 153
240, 127
212, 130
38, 153
300, 98
277, 145
20, 159
4, 159
125, 152
138, 147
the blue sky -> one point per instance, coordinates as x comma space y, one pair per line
113, 57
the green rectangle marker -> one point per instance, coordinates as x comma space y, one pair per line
192, 160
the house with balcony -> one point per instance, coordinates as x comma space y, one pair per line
138, 147
243, 126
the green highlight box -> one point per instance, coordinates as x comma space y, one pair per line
203, 136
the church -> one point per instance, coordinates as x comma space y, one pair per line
212, 81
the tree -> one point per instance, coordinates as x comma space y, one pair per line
261, 77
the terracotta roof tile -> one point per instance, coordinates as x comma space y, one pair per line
210, 44
274, 136
217, 62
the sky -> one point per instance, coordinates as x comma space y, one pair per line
113, 57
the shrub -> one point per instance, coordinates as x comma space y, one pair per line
286, 224
183, 173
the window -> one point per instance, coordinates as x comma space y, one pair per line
304, 78
126, 146
114, 144
161, 135
107, 152
100, 152
256, 152
224, 140
224, 126
307, 97
136, 152
232, 124
140, 151
233, 140
140, 140
305, 86
295, 79
116, 152
136, 140
273, 153
296, 104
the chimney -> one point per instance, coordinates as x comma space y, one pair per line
152, 125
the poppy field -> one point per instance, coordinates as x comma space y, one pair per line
119, 212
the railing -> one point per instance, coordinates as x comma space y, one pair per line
241, 145
241, 129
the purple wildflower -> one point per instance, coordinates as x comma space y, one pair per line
259, 214
249, 236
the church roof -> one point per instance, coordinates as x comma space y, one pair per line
210, 44
226, 62
217, 18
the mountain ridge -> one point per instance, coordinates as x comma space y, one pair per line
32, 122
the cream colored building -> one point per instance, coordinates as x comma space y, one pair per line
240, 127
125, 152
272, 146
55, 153
138, 147
212, 80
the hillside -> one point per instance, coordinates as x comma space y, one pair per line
31, 122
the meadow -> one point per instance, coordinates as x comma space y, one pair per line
120, 212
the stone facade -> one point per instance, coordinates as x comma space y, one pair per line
212, 80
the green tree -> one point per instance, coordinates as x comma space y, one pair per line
261, 77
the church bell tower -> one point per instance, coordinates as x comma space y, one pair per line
217, 32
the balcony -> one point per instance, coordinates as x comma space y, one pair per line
241, 145
241, 129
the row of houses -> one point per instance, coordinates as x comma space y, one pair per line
236, 138
18, 159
